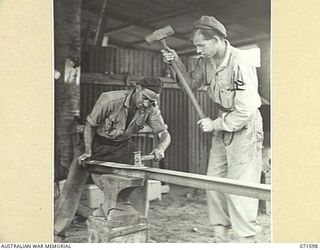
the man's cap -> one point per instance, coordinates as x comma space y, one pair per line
152, 83
210, 23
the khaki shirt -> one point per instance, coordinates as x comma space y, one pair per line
109, 116
233, 85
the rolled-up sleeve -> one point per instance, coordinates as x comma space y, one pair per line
156, 122
100, 111
246, 100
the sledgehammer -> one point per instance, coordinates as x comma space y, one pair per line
160, 35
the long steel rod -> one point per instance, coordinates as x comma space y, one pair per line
225, 185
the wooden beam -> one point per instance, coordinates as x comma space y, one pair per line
166, 16
250, 40
169, 15
119, 29
101, 24
128, 46
225, 185
237, 20
132, 21
120, 80
183, 36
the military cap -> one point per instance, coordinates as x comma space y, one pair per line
152, 83
210, 23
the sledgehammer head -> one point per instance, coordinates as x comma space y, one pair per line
159, 34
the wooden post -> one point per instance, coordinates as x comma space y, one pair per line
67, 24
101, 24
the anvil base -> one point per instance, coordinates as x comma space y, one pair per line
101, 232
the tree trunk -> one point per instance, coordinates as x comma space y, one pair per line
67, 41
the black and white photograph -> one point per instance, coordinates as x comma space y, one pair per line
162, 126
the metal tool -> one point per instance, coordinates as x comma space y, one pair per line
159, 36
138, 158
224, 185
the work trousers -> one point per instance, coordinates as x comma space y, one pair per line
103, 149
236, 155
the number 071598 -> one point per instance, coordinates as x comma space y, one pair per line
309, 245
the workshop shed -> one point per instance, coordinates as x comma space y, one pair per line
106, 39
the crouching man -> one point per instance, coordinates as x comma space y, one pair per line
114, 119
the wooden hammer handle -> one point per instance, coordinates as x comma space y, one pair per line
185, 85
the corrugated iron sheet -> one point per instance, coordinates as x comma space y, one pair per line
200, 142
174, 105
122, 61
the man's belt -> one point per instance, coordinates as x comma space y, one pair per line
223, 109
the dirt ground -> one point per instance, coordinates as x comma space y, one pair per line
179, 217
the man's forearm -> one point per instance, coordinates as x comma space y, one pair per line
88, 136
164, 140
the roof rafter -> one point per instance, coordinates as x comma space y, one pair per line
169, 15
128, 46
133, 21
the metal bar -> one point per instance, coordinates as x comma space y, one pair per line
225, 185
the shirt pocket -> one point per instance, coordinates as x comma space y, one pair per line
226, 93
226, 97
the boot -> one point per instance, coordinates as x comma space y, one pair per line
221, 234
